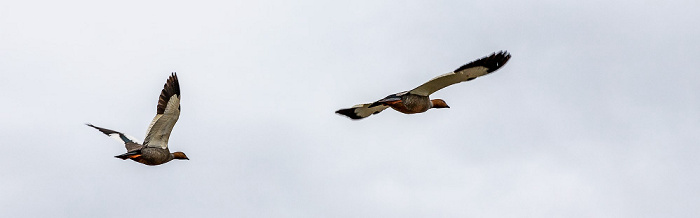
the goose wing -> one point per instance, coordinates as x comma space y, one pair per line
390, 98
168, 112
365, 110
361, 111
467, 72
129, 141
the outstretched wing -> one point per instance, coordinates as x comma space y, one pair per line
361, 111
388, 99
129, 141
167, 114
467, 72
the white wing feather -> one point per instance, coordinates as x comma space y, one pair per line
117, 137
448, 79
121, 137
162, 125
361, 111
470, 71
168, 111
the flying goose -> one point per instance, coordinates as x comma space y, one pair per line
417, 100
154, 150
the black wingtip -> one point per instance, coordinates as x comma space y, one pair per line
171, 87
493, 62
93, 126
349, 112
103, 130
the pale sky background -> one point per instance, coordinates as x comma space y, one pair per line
597, 114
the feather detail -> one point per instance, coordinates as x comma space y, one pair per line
464, 73
361, 111
167, 115
121, 137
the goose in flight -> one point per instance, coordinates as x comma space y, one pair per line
417, 100
154, 149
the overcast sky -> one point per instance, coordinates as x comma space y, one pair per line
597, 113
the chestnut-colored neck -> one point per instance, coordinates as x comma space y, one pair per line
180, 155
439, 103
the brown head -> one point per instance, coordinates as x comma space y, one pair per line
180, 155
439, 103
